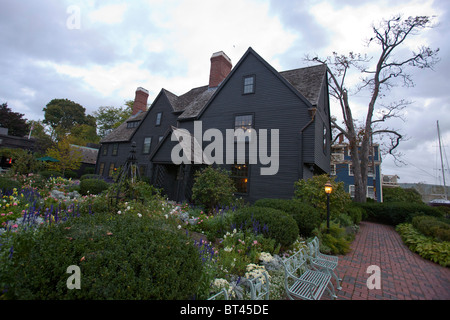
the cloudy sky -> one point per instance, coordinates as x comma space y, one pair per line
97, 53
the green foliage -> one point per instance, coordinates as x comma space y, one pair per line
334, 240
92, 186
398, 194
14, 121
306, 216
274, 223
50, 173
120, 257
427, 247
396, 212
432, 227
213, 187
91, 176
7, 184
312, 192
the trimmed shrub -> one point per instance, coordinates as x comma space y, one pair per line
70, 174
396, 212
120, 257
8, 184
274, 223
92, 186
306, 216
91, 176
432, 227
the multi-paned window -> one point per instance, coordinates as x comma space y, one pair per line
104, 149
115, 149
249, 84
147, 145
101, 169
158, 118
244, 122
111, 169
239, 174
132, 124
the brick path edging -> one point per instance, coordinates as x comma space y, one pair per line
404, 274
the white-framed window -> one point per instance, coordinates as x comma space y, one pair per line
351, 190
350, 169
370, 192
333, 170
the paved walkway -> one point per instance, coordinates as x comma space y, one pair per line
404, 274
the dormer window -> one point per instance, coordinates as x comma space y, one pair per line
249, 84
132, 124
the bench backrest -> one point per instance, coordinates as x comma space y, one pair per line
259, 287
295, 264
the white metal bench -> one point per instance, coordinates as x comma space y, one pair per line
301, 281
323, 262
219, 294
259, 287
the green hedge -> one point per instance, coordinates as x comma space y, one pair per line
120, 257
396, 212
279, 225
306, 216
432, 227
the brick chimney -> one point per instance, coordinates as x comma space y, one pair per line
220, 68
140, 101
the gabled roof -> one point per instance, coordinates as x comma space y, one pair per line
305, 82
122, 133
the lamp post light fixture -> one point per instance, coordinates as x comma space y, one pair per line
328, 190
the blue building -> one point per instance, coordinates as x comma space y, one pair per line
341, 167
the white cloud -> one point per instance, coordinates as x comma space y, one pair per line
109, 14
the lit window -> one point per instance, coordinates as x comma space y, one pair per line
147, 144
101, 169
111, 170
239, 174
249, 84
244, 122
105, 150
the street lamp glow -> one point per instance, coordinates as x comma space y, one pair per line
328, 187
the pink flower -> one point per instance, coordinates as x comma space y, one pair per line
255, 242
14, 226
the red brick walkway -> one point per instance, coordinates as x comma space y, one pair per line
404, 274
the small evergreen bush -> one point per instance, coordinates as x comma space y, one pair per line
306, 216
92, 186
274, 223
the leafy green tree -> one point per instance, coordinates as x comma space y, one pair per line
13, 121
69, 157
312, 192
109, 118
62, 115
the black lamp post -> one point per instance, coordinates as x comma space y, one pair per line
328, 190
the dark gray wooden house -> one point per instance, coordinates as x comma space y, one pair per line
292, 106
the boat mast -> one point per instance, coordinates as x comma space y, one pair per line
442, 163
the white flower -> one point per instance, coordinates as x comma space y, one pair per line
139, 215
227, 249
119, 212
179, 227
167, 217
